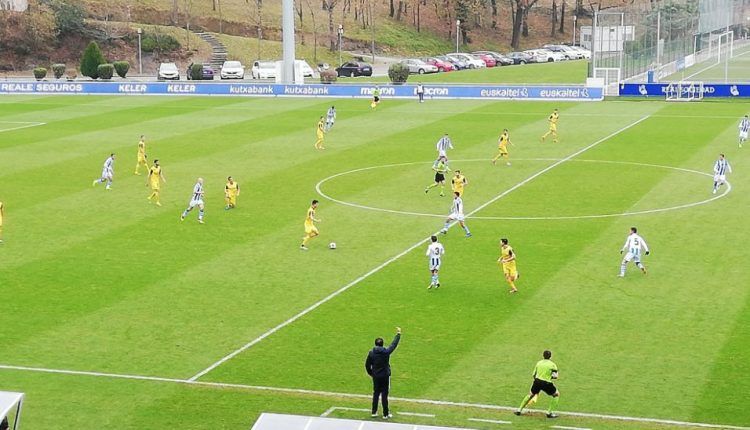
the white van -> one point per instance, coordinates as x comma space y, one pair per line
267, 69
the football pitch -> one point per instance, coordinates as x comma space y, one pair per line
117, 315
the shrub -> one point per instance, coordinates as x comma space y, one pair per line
121, 67
398, 73
58, 70
159, 42
40, 73
328, 76
69, 16
196, 71
92, 58
105, 71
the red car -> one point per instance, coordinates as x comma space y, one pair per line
443, 66
489, 60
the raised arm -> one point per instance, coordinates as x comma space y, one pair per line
394, 344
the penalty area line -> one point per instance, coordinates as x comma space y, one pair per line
19, 127
398, 256
321, 393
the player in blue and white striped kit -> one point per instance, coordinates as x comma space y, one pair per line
435, 253
744, 129
195, 200
457, 214
443, 145
721, 169
108, 172
634, 244
330, 118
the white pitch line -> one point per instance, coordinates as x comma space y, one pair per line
27, 125
569, 428
415, 414
482, 420
403, 253
524, 218
711, 67
330, 410
364, 396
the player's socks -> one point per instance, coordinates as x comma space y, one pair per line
512, 286
200, 215
524, 402
623, 266
553, 405
445, 227
466, 229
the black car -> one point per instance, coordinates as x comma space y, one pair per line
206, 74
354, 68
520, 57
501, 59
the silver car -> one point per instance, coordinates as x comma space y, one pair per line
168, 71
418, 66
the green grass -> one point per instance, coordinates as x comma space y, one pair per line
712, 71
569, 72
101, 281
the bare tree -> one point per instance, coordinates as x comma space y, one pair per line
519, 12
493, 4
562, 18
315, 31
554, 18
188, 15
329, 6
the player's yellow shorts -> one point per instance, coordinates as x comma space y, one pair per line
141, 159
319, 134
154, 186
553, 127
311, 229
502, 150
232, 200
460, 191
510, 271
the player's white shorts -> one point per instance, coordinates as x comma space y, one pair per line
442, 153
456, 217
434, 264
720, 178
636, 258
743, 135
330, 120
107, 173
194, 203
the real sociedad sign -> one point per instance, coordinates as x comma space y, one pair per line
709, 90
496, 92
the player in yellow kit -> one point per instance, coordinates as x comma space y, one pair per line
320, 133
141, 156
2, 209
231, 191
552, 126
502, 147
458, 182
507, 261
155, 178
310, 229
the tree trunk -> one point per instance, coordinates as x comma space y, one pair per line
517, 24
398, 11
562, 18
419, 16
173, 18
493, 3
554, 18
331, 32
525, 22
392, 10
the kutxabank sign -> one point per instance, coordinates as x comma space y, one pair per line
494, 92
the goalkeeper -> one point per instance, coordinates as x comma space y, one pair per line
544, 372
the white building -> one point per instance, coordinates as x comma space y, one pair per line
610, 38
17, 5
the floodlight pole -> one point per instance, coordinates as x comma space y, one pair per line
575, 18
140, 61
458, 28
287, 29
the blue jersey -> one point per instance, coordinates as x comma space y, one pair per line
722, 167
197, 191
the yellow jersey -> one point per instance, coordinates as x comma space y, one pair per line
553, 118
507, 257
310, 218
458, 183
141, 149
1, 214
232, 188
503, 142
154, 174
320, 127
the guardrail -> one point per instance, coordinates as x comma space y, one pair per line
487, 92
709, 90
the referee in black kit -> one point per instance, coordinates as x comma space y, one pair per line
378, 367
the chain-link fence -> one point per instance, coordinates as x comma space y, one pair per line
651, 40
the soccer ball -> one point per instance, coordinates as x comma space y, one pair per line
332, 245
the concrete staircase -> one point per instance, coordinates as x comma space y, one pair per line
219, 55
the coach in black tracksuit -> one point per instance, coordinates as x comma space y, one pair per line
378, 367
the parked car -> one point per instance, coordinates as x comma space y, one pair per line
489, 60
473, 63
585, 53
307, 71
232, 70
566, 51
418, 66
521, 58
545, 55
500, 59
168, 71
442, 65
263, 70
354, 68
207, 74
457, 63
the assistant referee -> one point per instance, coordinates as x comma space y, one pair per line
378, 367
544, 372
